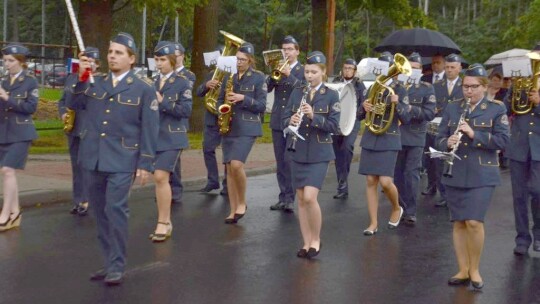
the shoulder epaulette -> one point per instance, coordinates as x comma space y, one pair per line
146, 80
99, 74
456, 100
257, 72
497, 102
427, 84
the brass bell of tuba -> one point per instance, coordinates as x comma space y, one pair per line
382, 113
232, 43
521, 86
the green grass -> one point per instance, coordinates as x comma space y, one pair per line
50, 94
52, 139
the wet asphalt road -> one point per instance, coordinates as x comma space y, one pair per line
48, 260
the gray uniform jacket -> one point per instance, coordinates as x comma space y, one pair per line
317, 146
174, 112
283, 90
391, 139
443, 98
422, 101
71, 82
246, 119
479, 164
122, 124
209, 118
17, 124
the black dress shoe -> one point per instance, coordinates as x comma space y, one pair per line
521, 250
230, 221
98, 275
278, 206
536, 246
477, 285
114, 278
82, 209
429, 191
409, 219
288, 208
74, 210
208, 188
341, 195
311, 253
441, 203
458, 281
238, 216
302, 253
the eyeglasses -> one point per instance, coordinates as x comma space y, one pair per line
348, 68
474, 86
241, 59
289, 49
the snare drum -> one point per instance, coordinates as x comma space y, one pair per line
433, 126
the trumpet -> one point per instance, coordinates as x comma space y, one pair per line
450, 161
277, 74
291, 129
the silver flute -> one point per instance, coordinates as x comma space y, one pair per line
450, 160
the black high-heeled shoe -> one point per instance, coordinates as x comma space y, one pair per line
312, 252
302, 253
238, 216
477, 286
230, 221
453, 281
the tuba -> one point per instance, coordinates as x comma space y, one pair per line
521, 86
232, 43
381, 116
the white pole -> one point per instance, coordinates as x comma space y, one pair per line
176, 28
43, 42
143, 47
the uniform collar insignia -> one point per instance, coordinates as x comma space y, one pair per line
171, 79
129, 80
298, 67
322, 90
483, 106
248, 73
107, 77
21, 78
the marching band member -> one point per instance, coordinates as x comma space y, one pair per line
524, 154
344, 145
379, 154
292, 76
174, 98
80, 196
18, 101
484, 128
175, 178
413, 138
118, 143
248, 101
211, 138
446, 91
310, 160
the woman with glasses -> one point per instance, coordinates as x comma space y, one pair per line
248, 102
18, 101
479, 127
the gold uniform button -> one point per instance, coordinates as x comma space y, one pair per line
283, 106
94, 94
532, 123
483, 123
464, 156
465, 144
479, 145
489, 162
307, 125
530, 133
129, 100
283, 98
110, 99
136, 145
107, 111
466, 119
105, 122
103, 134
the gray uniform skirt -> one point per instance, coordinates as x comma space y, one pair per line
166, 160
308, 174
14, 155
379, 163
236, 148
468, 203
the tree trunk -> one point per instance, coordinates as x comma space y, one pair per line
15, 15
330, 37
318, 24
205, 36
95, 22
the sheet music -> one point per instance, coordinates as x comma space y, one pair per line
211, 58
433, 153
416, 74
378, 67
227, 64
517, 67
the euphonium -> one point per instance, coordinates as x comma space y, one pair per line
225, 110
521, 86
69, 120
381, 116
232, 43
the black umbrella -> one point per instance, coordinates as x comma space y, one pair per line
426, 42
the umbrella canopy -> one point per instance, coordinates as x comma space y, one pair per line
426, 42
510, 54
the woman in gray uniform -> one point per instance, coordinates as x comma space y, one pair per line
315, 109
247, 101
174, 98
478, 128
18, 101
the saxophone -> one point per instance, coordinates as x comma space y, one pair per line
225, 110
69, 120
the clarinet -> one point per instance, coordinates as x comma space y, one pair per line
292, 145
450, 161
